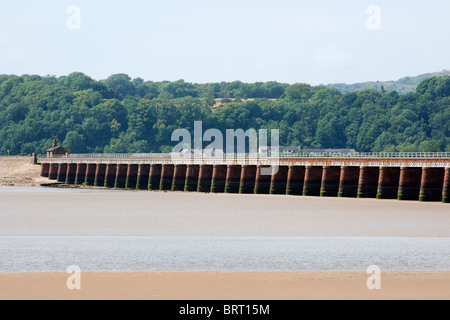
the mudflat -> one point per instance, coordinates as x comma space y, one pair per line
50, 212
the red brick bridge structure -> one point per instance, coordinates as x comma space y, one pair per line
402, 176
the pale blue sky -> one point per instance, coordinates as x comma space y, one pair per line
322, 41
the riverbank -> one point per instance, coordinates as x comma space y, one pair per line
226, 286
19, 172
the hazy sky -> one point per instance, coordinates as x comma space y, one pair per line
322, 41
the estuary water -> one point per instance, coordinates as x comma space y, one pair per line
44, 254
48, 230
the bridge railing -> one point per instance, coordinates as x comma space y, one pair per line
358, 155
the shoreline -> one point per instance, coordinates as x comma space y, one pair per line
226, 286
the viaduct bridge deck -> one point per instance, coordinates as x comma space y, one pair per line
412, 176
413, 160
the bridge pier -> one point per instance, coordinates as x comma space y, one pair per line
91, 170
143, 177
205, 178
446, 190
368, 182
248, 179
71, 173
110, 175
432, 185
233, 179
80, 176
410, 179
219, 179
278, 182
121, 176
167, 177
53, 172
154, 180
295, 180
192, 177
45, 170
263, 181
330, 181
389, 183
313, 181
132, 176
348, 185
62, 172
179, 177
100, 175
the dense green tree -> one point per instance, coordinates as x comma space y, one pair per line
121, 114
299, 91
75, 142
121, 85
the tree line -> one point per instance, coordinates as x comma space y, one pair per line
124, 115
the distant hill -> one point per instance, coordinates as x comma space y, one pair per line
403, 86
125, 115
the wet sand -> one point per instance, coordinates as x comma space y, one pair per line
49, 212
226, 286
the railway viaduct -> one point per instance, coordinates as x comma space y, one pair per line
402, 176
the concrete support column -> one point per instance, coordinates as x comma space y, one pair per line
132, 176
348, 186
368, 182
110, 176
388, 183
331, 179
205, 178
167, 177
410, 179
233, 179
154, 180
121, 176
295, 181
446, 191
62, 172
45, 170
53, 172
219, 179
80, 177
263, 181
248, 179
313, 181
179, 177
192, 175
71, 173
432, 184
91, 170
100, 175
279, 180
143, 176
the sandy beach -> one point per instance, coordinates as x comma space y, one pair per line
226, 286
19, 172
